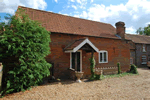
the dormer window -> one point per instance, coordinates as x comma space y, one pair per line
144, 50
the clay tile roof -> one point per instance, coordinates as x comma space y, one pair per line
74, 44
66, 24
138, 38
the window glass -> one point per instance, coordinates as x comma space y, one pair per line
73, 60
100, 57
131, 60
144, 59
144, 48
103, 57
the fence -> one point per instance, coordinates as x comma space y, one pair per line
106, 70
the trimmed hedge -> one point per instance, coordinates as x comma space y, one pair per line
119, 69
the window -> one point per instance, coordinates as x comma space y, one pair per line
75, 61
131, 60
103, 57
144, 48
144, 59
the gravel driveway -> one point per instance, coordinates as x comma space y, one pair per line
135, 87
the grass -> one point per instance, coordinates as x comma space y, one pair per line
117, 75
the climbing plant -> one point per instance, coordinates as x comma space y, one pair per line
92, 66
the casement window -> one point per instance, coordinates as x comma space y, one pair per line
144, 59
103, 56
144, 48
131, 60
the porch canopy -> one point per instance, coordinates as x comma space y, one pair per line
81, 44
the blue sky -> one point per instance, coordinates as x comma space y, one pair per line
135, 13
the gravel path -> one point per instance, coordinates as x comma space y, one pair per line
135, 87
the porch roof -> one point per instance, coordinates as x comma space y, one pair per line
84, 44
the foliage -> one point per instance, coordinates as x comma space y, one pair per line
119, 69
144, 31
92, 66
133, 69
24, 44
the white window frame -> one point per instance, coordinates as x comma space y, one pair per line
144, 48
80, 60
102, 51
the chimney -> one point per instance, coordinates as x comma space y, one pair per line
120, 29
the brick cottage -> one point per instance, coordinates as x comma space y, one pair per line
74, 39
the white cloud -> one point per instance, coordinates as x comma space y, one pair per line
73, 6
9, 6
56, 1
79, 1
72, 0
135, 14
78, 16
92, 1
83, 15
130, 30
147, 23
135, 17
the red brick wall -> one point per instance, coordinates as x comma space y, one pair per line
118, 51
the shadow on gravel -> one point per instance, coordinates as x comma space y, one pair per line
55, 82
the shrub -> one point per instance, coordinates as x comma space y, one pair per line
119, 69
133, 69
24, 44
97, 77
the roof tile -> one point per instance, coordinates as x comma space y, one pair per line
66, 24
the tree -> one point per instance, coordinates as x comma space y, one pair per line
24, 45
144, 31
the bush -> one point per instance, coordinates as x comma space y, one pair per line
24, 44
97, 77
119, 69
133, 69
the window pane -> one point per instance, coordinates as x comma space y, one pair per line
131, 60
100, 57
143, 48
144, 59
105, 57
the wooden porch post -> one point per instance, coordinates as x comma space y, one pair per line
75, 62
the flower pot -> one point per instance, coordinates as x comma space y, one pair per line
79, 76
